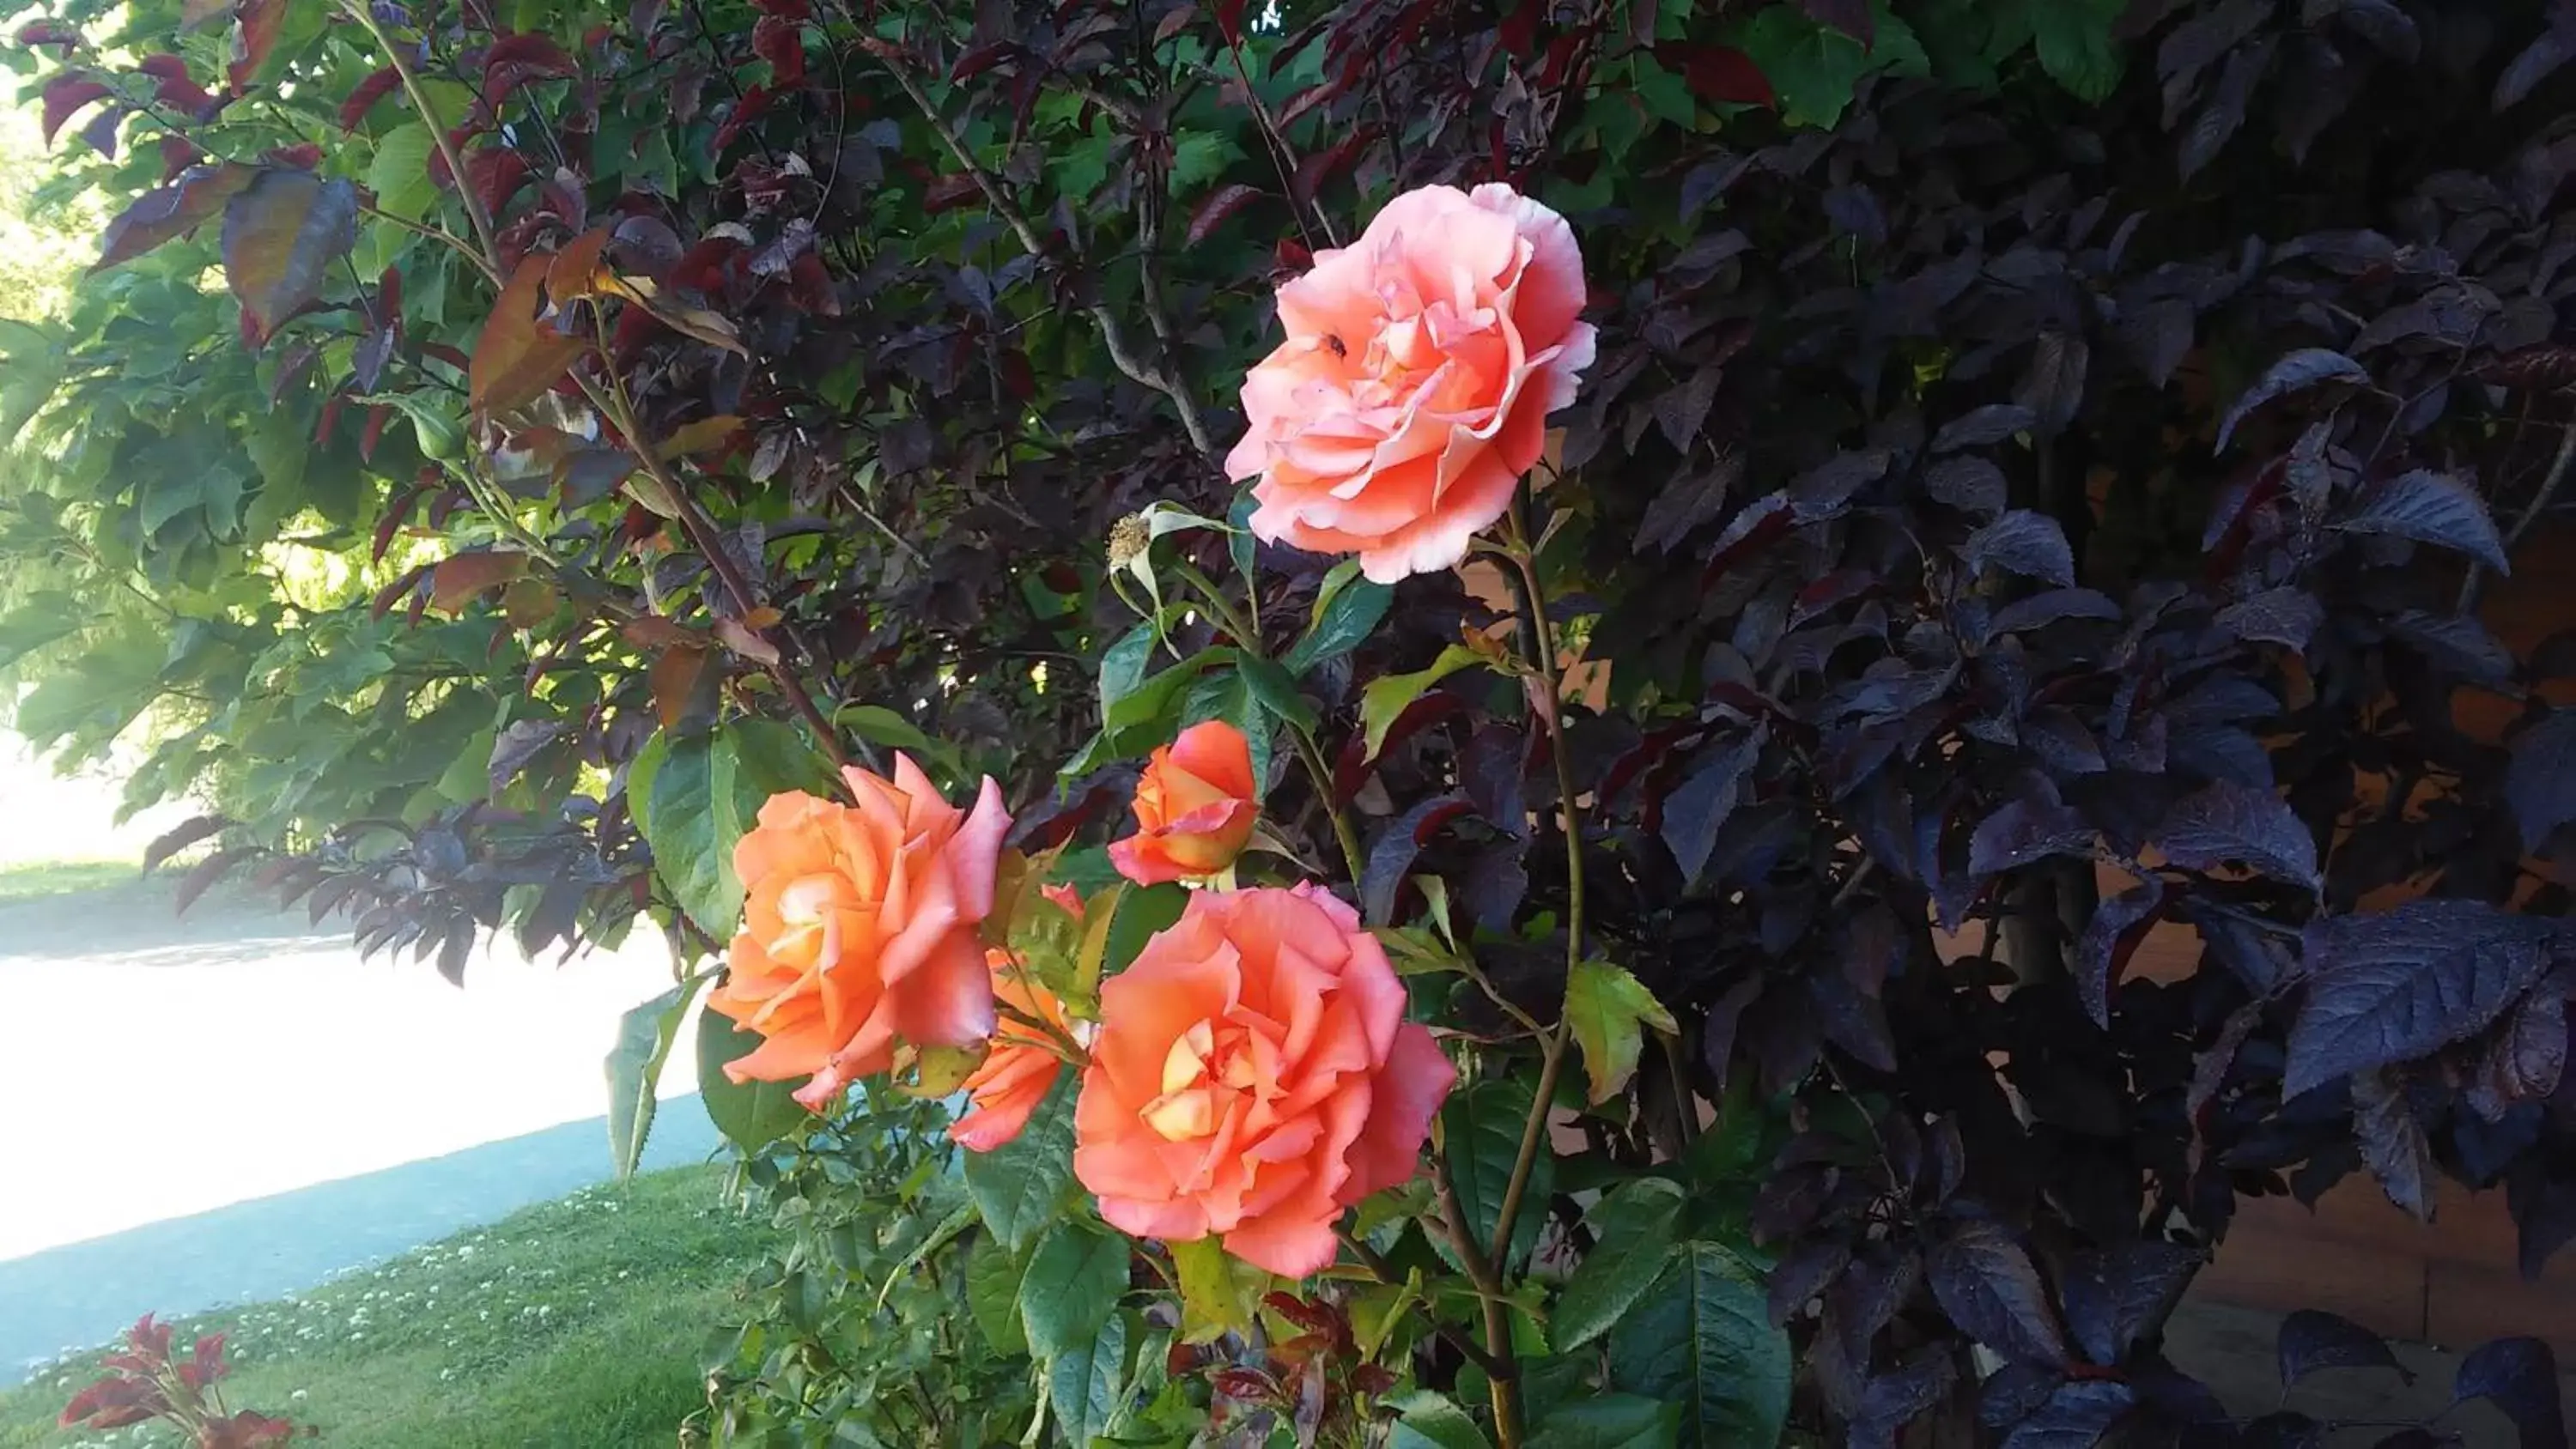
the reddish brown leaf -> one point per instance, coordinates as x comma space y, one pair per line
178, 153
983, 58
256, 25
173, 210
329, 420
781, 42
281, 231
575, 270
740, 638
652, 631
514, 60
753, 105
459, 579
401, 588
302, 156
950, 192
1221, 203
674, 679
519, 355
1174, 21
1719, 74
202, 876
377, 417
66, 94
704, 435
378, 84
785, 9
180, 838
49, 32
1229, 20
174, 87
497, 174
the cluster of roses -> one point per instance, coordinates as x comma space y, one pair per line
1251, 1074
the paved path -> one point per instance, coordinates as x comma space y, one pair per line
197, 1111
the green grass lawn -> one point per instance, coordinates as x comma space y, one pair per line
31, 879
573, 1325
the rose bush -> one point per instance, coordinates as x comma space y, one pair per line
1946, 496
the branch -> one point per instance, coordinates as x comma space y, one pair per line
2540, 502
358, 11
1112, 336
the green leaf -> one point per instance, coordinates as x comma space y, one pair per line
399, 172
1615, 1421
1020, 1186
1701, 1338
1608, 1009
2075, 44
880, 725
993, 1274
1814, 67
1072, 1287
1083, 1382
1632, 1234
281, 235
1432, 1422
751, 1115
644, 1038
1481, 1131
1348, 609
1220, 1293
1386, 698
1140, 914
1123, 665
434, 425
696, 796
1145, 716
958, 1220
1276, 689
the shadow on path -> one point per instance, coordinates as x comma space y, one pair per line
83, 1294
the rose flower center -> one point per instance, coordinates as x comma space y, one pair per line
1203, 1060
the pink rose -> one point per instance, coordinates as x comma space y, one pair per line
1415, 385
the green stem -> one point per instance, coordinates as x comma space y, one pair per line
1552, 1047
1311, 754
357, 10
1503, 1387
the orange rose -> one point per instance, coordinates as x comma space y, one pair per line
1021, 1067
859, 929
1414, 387
1195, 807
1253, 1076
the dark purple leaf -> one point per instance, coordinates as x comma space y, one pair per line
2158, 337
2051, 605
1969, 484
2275, 616
2306, 368
2519, 1376
367, 362
2225, 823
2458, 643
180, 838
2189, 48
1802, 1274
2222, 752
2392, 1141
1853, 1020
1697, 808
202, 876
2311, 1339
1823, 491
2528, 1057
1717, 1032
1989, 424
2537, 62
2053, 388
2396, 986
1495, 884
515, 746
2431, 508
2025, 830
1215, 207
1397, 845
1894, 1399
2116, 1296
2027, 543
1681, 412
2117, 926
1985, 1282
2013, 1393
1851, 17
2544, 1214
1687, 502
2349, 252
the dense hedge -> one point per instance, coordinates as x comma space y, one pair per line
2028, 444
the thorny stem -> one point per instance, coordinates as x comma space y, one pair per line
1503, 1380
474, 213
1552, 1048
1376, 1262
1113, 337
